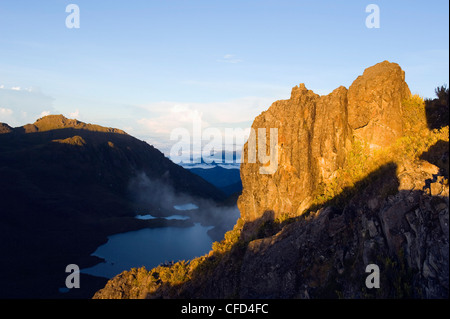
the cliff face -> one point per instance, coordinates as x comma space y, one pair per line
360, 180
315, 134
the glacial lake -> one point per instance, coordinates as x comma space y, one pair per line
151, 247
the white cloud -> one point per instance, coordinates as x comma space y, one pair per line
75, 114
5, 111
18, 88
174, 114
230, 58
171, 116
230, 119
26, 105
45, 113
5, 115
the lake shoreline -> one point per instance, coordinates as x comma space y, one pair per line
149, 247
124, 224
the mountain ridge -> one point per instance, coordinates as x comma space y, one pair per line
226, 179
54, 122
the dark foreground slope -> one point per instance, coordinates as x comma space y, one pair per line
360, 180
397, 219
65, 186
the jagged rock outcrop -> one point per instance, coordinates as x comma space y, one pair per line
314, 135
375, 104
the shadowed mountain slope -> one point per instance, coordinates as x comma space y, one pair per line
65, 186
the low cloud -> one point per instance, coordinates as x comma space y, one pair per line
75, 114
5, 115
5, 112
158, 194
166, 117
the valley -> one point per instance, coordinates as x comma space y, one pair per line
66, 186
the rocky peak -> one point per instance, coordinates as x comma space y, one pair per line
315, 134
299, 90
375, 104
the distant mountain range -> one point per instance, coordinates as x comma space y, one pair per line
228, 180
64, 187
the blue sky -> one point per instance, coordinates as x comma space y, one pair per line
150, 66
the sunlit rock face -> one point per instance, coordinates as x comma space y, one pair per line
375, 104
314, 135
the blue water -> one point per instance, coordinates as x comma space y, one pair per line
150, 247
